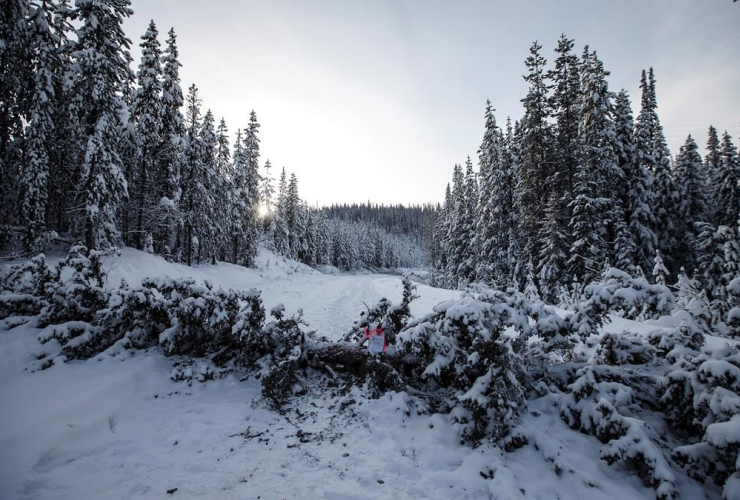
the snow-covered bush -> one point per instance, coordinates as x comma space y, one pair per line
246, 332
624, 349
590, 314
632, 298
23, 288
460, 355
78, 294
599, 402
673, 344
701, 397
733, 315
201, 317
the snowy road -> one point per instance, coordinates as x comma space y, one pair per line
331, 303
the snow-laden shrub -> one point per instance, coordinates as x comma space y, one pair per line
78, 294
201, 317
673, 344
701, 397
590, 314
23, 288
600, 402
632, 298
389, 317
460, 355
246, 332
624, 349
733, 315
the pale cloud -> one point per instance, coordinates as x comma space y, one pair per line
378, 100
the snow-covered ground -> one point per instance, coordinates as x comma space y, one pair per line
122, 429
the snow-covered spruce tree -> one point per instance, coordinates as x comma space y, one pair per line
33, 182
711, 171
15, 72
196, 198
727, 201
459, 357
645, 128
147, 115
280, 236
249, 191
64, 136
465, 233
168, 171
222, 193
101, 68
565, 104
691, 205
635, 193
664, 188
267, 199
245, 168
534, 155
554, 237
659, 270
292, 215
490, 233
710, 267
593, 207
633, 298
457, 228
441, 243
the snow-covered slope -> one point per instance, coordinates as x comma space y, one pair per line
122, 429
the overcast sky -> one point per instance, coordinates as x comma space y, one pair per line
379, 99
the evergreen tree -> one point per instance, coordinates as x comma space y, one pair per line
39, 134
147, 114
555, 246
636, 246
455, 226
64, 136
565, 104
535, 147
659, 270
267, 191
727, 200
711, 171
592, 223
292, 215
223, 190
101, 67
490, 235
173, 134
14, 74
510, 158
664, 193
466, 227
645, 126
441, 230
281, 236
691, 205
196, 197
246, 195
